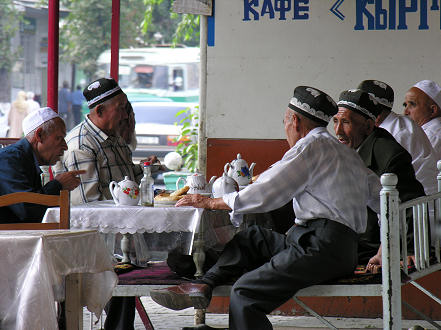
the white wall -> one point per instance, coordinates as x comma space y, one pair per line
254, 65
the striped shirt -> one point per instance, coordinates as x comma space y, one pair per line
324, 178
105, 159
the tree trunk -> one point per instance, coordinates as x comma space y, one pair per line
5, 86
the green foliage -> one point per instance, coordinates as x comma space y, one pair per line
185, 26
188, 138
10, 19
86, 31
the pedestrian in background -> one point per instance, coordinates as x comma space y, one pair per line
19, 110
64, 105
77, 104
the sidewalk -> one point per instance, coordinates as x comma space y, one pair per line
166, 319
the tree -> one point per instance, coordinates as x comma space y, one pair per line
186, 27
9, 23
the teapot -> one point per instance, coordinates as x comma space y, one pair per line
224, 185
240, 171
197, 184
126, 192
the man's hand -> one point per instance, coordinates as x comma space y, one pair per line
202, 202
69, 180
374, 264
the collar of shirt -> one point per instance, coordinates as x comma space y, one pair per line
98, 133
37, 165
435, 122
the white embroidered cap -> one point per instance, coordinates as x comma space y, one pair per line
37, 118
432, 90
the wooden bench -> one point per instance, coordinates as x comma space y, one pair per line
394, 249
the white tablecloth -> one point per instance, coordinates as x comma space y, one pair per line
107, 217
32, 269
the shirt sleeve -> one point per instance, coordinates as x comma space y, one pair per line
275, 187
89, 189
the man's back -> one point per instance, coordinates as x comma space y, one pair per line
412, 137
433, 131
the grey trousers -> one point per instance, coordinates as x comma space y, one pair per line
270, 267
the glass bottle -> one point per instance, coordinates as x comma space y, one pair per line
146, 186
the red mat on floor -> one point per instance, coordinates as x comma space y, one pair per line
155, 273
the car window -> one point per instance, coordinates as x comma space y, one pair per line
164, 114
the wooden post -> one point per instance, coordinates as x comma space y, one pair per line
52, 54
114, 44
390, 242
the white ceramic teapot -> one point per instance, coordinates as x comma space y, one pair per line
125, 192
224, 185
240, 171
197, 184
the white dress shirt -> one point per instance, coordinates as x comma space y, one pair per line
433, 132
324, 178
414, 140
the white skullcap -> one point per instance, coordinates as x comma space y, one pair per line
432, 90
37, 118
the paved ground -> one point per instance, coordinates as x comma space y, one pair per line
165, 319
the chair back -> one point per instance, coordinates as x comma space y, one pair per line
61, 200
4, 142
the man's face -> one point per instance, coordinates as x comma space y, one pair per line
350, 127
115, 113
52, 146
417, 106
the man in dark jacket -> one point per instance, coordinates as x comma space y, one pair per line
20, 165
354, 125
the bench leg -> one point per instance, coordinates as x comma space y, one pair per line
74, 310
310, 311
143, 314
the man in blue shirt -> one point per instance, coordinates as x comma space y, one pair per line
77, 103
20, 165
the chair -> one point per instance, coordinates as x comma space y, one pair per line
4, 142
61, 200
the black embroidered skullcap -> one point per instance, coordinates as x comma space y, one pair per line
360, 102
382, 92
313, 104
100, 91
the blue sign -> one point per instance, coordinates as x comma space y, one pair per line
369, 14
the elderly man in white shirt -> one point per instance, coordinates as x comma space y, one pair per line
330, 187
423, 104
407, 133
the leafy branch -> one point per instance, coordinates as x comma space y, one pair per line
188, 138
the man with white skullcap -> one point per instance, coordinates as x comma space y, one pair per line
422, 103
95, 145
406, 132
20, 163
354, 126
318, 174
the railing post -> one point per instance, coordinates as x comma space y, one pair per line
390, 242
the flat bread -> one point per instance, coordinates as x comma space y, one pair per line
167, 197
180, 192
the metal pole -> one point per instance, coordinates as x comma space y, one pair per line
114, 42
202, 139
52, 54
390, 243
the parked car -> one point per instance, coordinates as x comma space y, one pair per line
156, 131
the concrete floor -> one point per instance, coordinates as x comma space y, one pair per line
165, 319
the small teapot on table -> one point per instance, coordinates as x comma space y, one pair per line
197, 184
224, 185
125, 192
240, 171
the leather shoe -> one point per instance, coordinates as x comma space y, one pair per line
183, 296
202, 327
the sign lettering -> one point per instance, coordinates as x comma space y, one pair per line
253, 10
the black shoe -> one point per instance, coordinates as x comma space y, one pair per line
202, 327
183, 296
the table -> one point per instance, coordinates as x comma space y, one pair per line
107, 217
38, 266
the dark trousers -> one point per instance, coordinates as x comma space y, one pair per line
120, 313
272, 267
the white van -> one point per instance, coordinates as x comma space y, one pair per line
156, 72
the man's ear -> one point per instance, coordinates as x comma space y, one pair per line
38, 135
296, 122
370, 125
435, 111
99, 109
